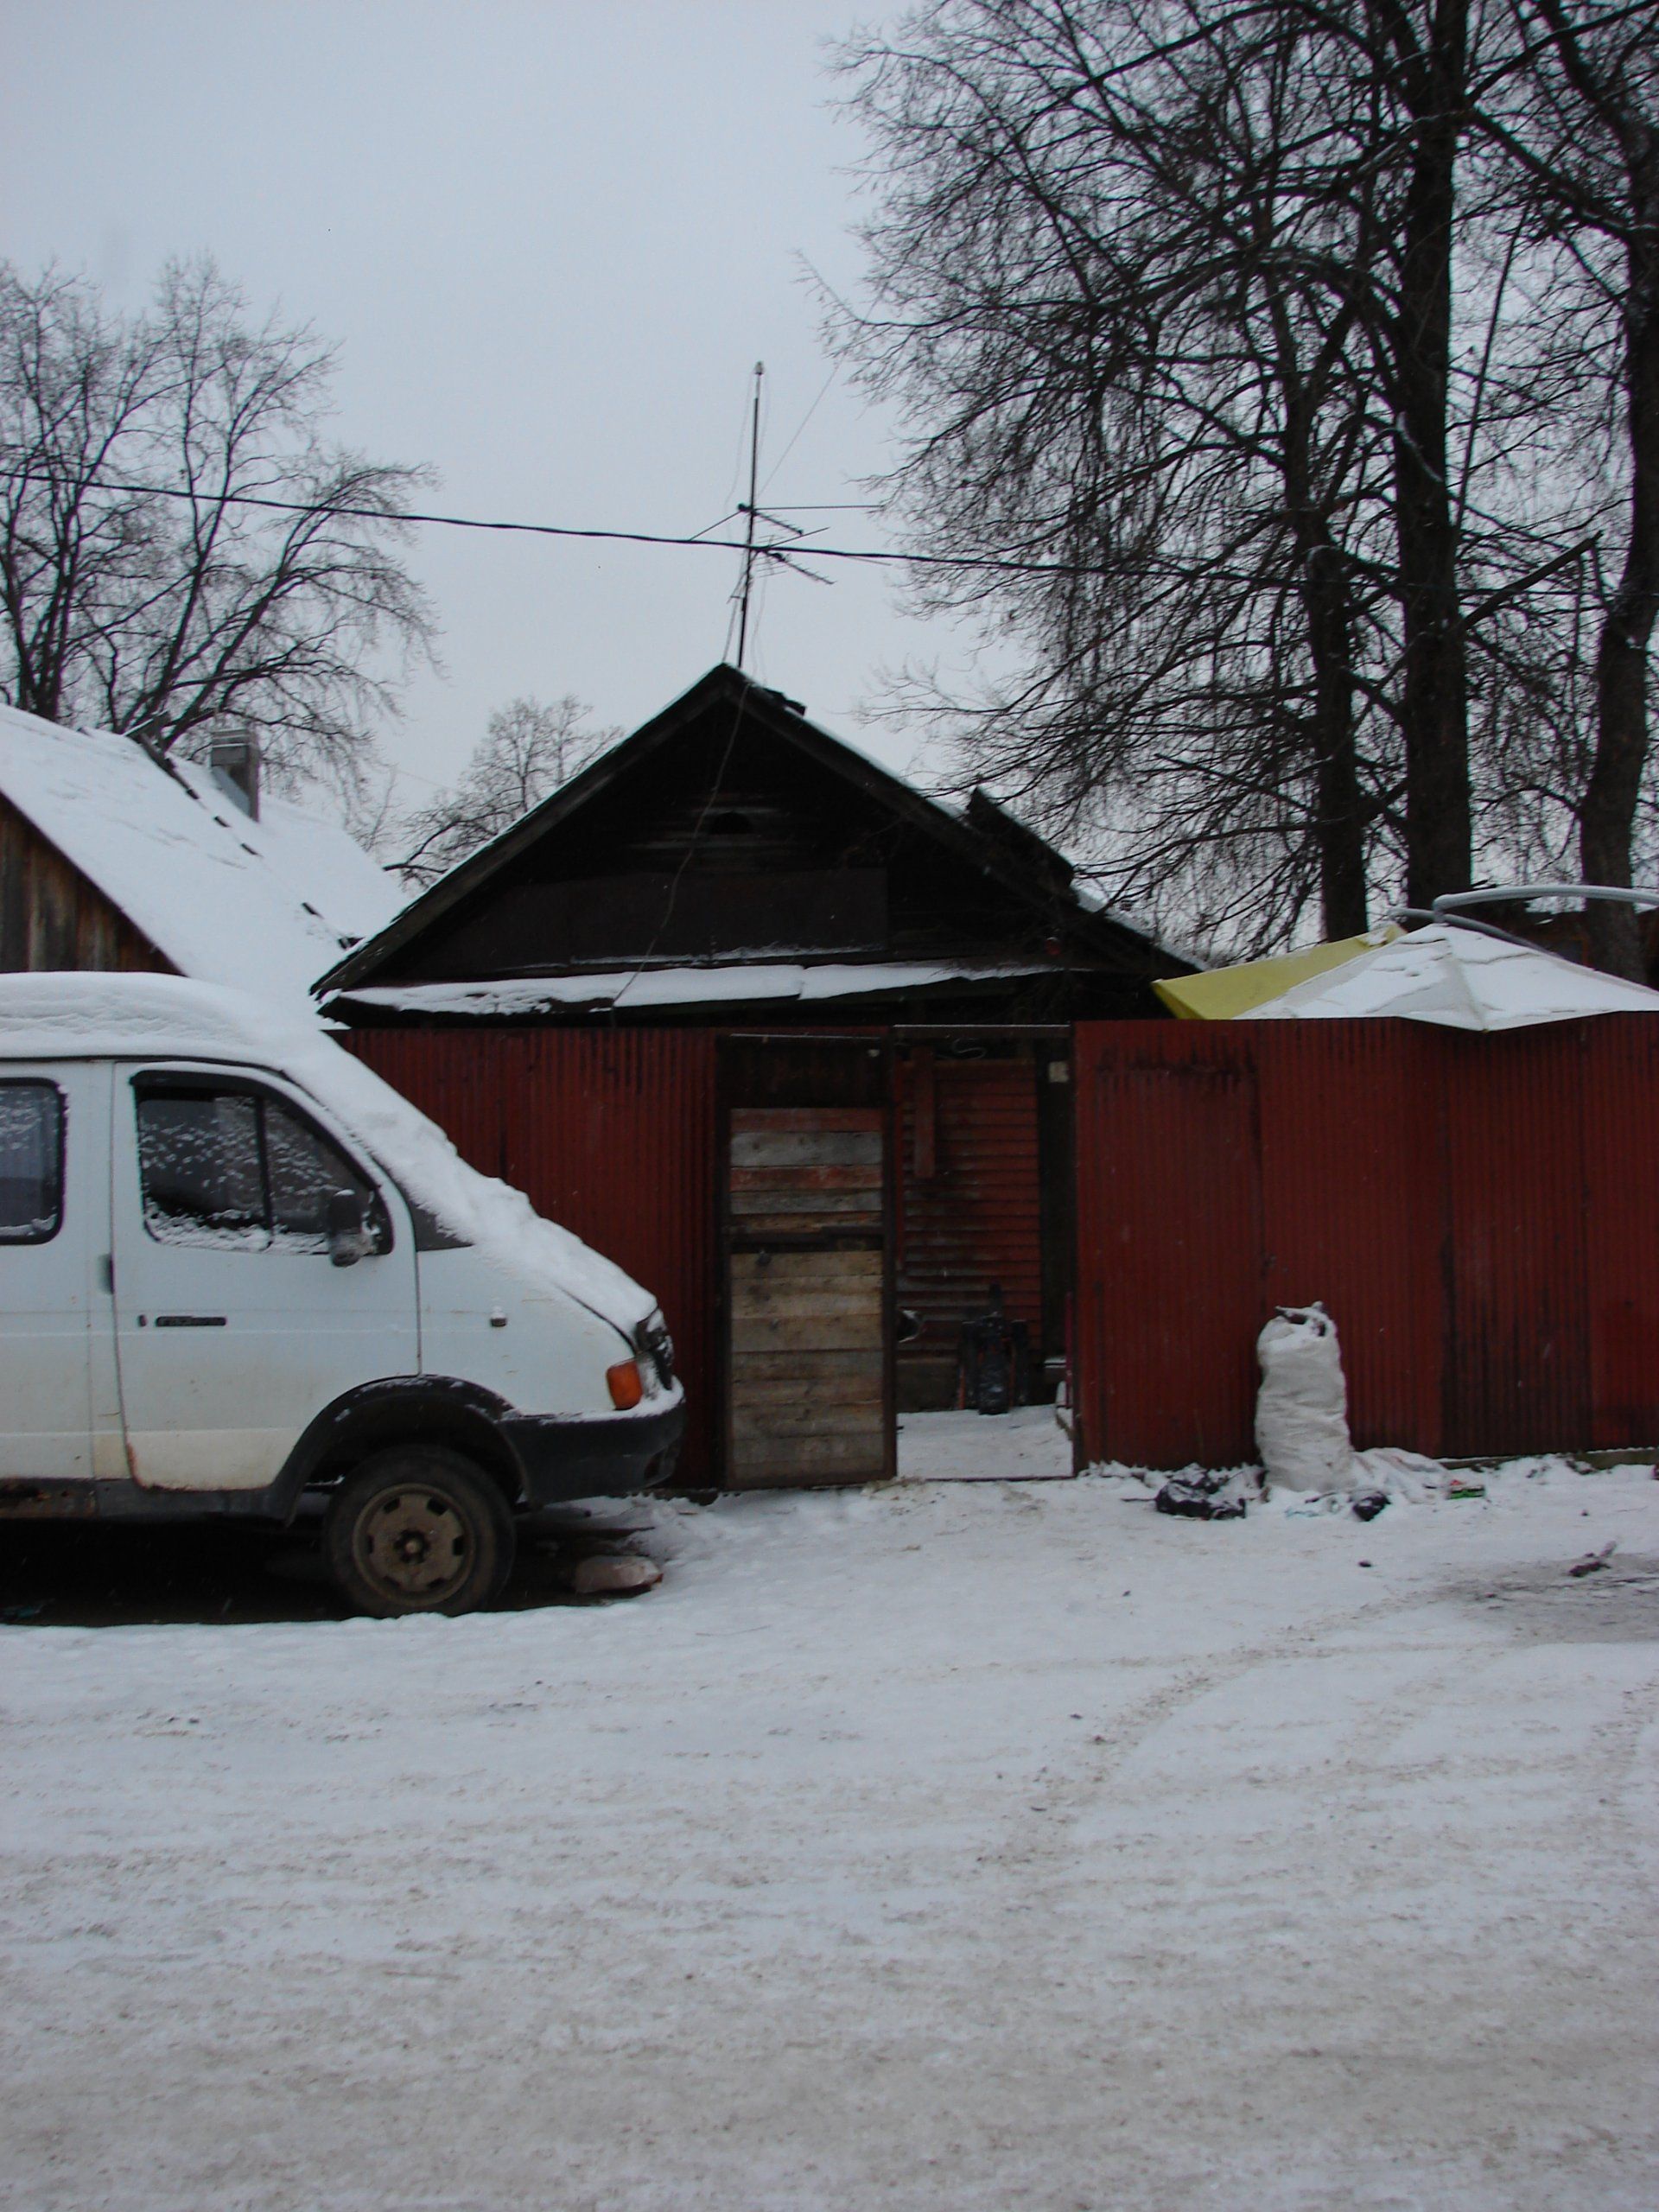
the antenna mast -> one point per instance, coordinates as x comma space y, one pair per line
749, 518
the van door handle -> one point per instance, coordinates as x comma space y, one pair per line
190, 1320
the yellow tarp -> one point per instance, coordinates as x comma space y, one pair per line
1224, 993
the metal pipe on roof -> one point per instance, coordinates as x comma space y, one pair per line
1510, 895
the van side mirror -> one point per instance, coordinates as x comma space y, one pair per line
348, 1235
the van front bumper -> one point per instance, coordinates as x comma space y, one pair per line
559, 1459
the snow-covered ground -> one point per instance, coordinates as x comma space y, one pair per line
970, 1846
1027, 1445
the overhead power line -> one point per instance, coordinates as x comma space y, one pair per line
1004, 564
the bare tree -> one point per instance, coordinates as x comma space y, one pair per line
1127, 329
1579, 135
1179, 297
138, 591
527, 751
1414, 62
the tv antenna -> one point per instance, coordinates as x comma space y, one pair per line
756, 550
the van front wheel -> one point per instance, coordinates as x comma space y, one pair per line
418, 1529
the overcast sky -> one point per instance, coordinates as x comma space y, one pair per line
551, 238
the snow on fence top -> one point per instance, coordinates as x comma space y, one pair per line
263, 906
1460, 979
120, 1016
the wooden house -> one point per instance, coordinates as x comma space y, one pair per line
858, 1003
111, 859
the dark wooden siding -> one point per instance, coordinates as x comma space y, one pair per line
731, 843
52, 916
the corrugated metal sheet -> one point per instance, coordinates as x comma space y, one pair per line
610, 1132
1349, 1134
1517, 1369
970, 1196
1480, 1215
1168, 1246
1621, 1197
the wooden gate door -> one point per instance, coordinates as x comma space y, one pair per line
809, 1296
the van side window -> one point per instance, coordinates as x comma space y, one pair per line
199, 1161
225, 1165
31, 1162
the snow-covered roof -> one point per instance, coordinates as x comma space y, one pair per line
119, 1016
262, 905
1460, 979
630, 987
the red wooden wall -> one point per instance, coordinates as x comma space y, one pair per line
610, 1133
1479, 1214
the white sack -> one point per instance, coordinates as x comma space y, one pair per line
1301, 1410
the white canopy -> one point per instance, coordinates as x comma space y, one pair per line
1462, 980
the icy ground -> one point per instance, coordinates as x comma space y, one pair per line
951, 1849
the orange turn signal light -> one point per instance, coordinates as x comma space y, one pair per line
626, 1383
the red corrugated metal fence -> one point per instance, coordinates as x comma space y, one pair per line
970, 1203
610, 1132
1479, 1214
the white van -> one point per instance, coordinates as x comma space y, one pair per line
236, 1267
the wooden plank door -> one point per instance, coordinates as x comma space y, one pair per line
808, 1297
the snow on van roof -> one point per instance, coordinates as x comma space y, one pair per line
263, 906
123, 1016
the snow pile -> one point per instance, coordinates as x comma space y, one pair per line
97, 1016
263, 906
1457, 979
1301, 1410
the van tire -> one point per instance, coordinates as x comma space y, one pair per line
418, 1529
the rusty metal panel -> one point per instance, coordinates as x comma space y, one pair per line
1517, 1367
970, 1210
610, 1132
1621, 1189
1351, 1208
1169, 1265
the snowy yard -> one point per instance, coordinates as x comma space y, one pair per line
976, 1845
